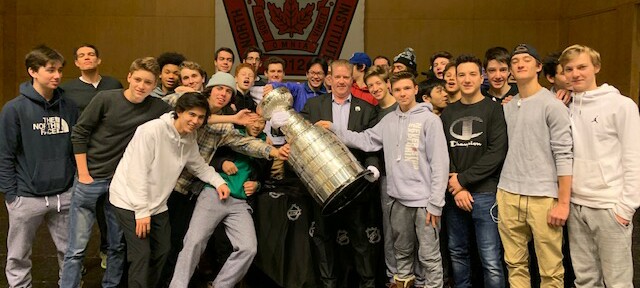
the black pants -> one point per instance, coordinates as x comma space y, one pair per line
283, 221
351, 237
146, 257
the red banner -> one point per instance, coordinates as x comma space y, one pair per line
296, 30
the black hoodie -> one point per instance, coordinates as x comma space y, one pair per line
36, 156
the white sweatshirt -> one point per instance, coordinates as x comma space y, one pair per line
151, 165
606, 133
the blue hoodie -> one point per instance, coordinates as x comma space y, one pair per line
301, 92
36, 157
415, 155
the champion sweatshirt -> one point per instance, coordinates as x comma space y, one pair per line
477, 140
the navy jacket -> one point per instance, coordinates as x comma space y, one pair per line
36, 156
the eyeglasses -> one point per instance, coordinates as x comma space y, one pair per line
315, 73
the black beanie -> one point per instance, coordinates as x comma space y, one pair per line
408, 58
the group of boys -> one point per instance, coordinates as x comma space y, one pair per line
499, 175
108, 149
526, 178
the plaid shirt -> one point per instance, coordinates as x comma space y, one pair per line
212, 136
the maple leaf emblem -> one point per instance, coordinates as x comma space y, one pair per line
291, 18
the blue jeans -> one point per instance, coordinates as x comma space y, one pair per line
82, 215
460, 226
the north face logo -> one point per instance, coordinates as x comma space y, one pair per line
310, 27
51, 126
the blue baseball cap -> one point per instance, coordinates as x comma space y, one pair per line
360, 58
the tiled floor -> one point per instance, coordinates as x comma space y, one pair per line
45, 268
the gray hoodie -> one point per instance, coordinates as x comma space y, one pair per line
415, 154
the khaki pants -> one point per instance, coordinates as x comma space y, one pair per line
520, 219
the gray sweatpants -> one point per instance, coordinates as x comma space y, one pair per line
408, 227
235, 215
600, 248
25, 216
389, 253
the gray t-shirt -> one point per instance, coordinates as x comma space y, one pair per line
540, 145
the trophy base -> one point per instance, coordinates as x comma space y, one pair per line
347, 193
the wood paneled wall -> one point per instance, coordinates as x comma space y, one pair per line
610, 27
459, 26
7, 51
124, 30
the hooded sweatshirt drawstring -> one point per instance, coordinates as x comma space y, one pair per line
399, 149
573, 105
58, 205
573, 102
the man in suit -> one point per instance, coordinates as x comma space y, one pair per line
361, 234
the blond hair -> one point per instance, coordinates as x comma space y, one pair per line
574, 50
147, 63
192, 66
377, 71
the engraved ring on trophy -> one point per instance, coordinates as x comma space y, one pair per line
327, 168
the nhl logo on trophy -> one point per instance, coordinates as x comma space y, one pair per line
327, 168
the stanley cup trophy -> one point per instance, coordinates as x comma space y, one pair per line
330, 172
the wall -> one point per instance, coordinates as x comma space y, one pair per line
459, 26
7, 50
122, 30
610, 27
125, 30
2, 72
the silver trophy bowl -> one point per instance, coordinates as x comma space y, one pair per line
332, 175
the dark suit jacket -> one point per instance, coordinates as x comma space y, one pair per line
362, 116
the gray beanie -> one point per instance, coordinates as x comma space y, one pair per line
224, 79
408, 58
